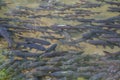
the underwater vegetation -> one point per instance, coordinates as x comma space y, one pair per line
30, 57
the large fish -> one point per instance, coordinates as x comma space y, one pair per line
47, 68
100, 42
34, 40
113, 3
4, 32
54, 54
31, 46
63, 73
51, 48
23, 54
114, 9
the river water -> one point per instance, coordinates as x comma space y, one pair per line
88, 48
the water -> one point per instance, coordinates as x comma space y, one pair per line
45, 21
52, 37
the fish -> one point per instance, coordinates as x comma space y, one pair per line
31, 46
88, 35
51, 37
63, 73
114, 9
100, 0
51, 48
92, 27
36, 28
62, 27
100, 31
4, 32
21, 12
73, 43
34, 40
107, 21
99, 42
39, 73
30, 65
72, 60
38, 16
86, 12
113, 3
110, 36
98, 76
4, 4
6, 63
91, 5
69, 67
23, 54
85, 20
33, 78
62, 57
67, 35
110, 20
6, 19
13, 66
25, 8
47, 68
19, 76
111, 26
53, 54
114, 40
111, 55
